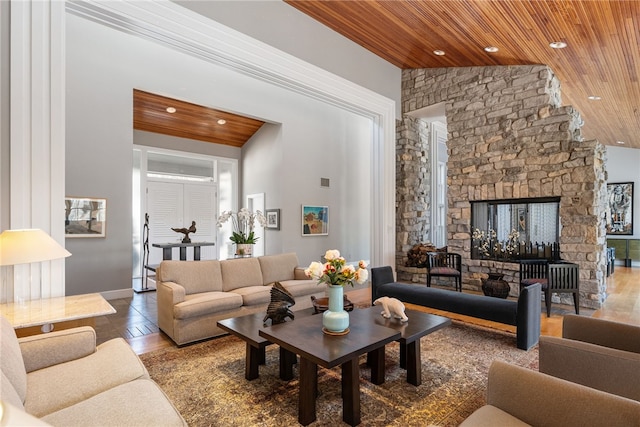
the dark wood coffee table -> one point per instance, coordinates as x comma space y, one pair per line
246, 328
419, 325
304, 337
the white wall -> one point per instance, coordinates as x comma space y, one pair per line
101, 74
284, 27
623, 165
286, 163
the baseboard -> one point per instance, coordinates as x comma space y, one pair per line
117, 294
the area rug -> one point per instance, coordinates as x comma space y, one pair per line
206, 382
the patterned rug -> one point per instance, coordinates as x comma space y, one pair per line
206, 382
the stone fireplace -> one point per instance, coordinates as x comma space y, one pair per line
509, 138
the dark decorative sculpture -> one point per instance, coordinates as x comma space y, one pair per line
278, 308
186, 232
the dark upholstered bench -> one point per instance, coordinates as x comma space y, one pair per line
524, 313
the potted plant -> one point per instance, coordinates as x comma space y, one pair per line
242, 232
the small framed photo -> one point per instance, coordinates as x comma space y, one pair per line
273, 219
85, 217
315, 220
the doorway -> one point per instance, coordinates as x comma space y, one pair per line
174, 189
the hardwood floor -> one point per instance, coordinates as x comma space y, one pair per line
136, 318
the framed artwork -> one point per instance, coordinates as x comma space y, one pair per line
315, 220
85, 217
273, 218
620, 208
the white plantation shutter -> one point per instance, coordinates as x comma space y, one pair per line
199, 206
175, 205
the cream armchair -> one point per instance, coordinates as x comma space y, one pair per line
64, 379
597, 353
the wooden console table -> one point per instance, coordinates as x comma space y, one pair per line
44, 315
167, 249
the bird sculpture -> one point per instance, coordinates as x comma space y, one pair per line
186, 232
278, 309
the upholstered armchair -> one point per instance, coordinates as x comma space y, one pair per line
597, 353
518, 396
445, 264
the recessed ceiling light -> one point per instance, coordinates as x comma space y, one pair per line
558, 45
222, 121
171, 110
491, 49
620, 142
594, 98
439, 52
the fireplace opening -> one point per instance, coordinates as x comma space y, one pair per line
514, 229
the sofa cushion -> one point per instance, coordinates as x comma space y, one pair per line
533, 281
120, 406
303, 287
44, 350
241, 272
253, 295
444, 271
11, 361
8, 392
193, 276
59, 386
490, 416
206, 303
276, 268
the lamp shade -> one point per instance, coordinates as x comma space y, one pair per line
27, 246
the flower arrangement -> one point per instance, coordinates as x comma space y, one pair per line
243, 225
484, 241
335, 270
487, 243
512, 244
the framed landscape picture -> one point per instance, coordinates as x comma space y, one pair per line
620, 208
85, 217
273, 218
315, 220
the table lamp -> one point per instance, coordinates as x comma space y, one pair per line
29, 246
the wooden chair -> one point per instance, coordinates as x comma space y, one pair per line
445, 264
564, 278
534, 271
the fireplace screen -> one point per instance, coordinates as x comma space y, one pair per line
516, 229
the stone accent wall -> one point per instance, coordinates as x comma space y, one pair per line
413, 186
508, 137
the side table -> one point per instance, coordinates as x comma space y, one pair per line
45, 315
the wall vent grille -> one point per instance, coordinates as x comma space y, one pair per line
324, 182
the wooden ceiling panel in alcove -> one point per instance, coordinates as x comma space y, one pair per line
602, 57
190, 120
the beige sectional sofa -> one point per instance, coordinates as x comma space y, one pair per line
521, 397
193, 295
64, 379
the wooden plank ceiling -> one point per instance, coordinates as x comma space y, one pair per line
602, 57
190, 120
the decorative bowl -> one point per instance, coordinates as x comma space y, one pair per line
322, 304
